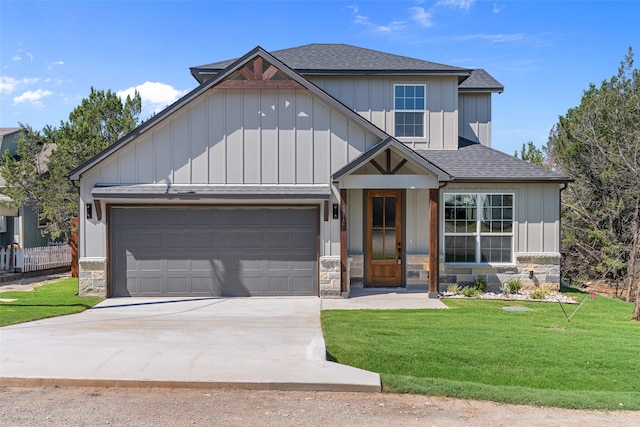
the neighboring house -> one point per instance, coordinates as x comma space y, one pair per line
310, 170
22, 226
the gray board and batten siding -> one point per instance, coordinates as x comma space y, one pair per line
200, 251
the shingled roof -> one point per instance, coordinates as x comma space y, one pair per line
474, 162
480, 81
324, 59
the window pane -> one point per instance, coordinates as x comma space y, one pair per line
497, 214
460, 212
420, 91
495, 249
409, 124
460, 248
377, 244
390, 211
410, 104
377, 211
390, 244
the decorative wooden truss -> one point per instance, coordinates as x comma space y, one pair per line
387, 170
259, 74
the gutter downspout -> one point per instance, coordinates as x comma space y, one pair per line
566, 185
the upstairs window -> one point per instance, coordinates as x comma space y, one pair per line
409, 106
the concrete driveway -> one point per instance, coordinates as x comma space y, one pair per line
259, 343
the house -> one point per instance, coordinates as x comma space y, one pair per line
22, 226
311, 170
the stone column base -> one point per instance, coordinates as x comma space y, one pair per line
330, 277
92, 277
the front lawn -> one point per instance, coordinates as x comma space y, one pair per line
478, 350
55, 299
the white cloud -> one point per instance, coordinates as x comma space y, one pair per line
54, 63
496, 8
30, 55
16, 58
385, 29
421, 16
457, 4
155, 95
10, 84
7, 84
493, 38
32, 97
418, 15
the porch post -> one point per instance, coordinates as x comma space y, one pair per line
343, 240
434, 238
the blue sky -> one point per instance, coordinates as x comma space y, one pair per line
545, 53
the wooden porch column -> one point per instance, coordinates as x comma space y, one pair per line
343, 240
434, 238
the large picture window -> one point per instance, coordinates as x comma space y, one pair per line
478, 228
409, 107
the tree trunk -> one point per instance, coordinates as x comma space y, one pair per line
633, 269
632, 265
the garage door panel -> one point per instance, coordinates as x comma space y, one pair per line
252, 240
280, 285
299, 239
207, 251
279, 239
226, 239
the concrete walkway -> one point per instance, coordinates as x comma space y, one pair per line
383, 299
257, 343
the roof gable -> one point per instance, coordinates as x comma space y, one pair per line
406, 153
256, 69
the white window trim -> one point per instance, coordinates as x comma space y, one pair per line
424, 113
478, 233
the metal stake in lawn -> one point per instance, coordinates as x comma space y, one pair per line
590, 295
593, 291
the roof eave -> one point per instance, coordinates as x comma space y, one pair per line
481, 90
559, 180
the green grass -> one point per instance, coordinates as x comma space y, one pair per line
478, 350
51, 300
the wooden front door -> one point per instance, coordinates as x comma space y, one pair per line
383, 256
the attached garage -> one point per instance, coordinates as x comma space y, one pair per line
213, 251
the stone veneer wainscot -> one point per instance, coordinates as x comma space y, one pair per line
545, 268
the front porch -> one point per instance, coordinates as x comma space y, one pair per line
388, 202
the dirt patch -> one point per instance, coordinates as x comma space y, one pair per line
180, 407
28, 285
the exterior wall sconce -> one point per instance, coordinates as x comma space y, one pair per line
531, 274
335, 211
89, 209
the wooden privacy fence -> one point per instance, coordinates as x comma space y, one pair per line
34, 259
